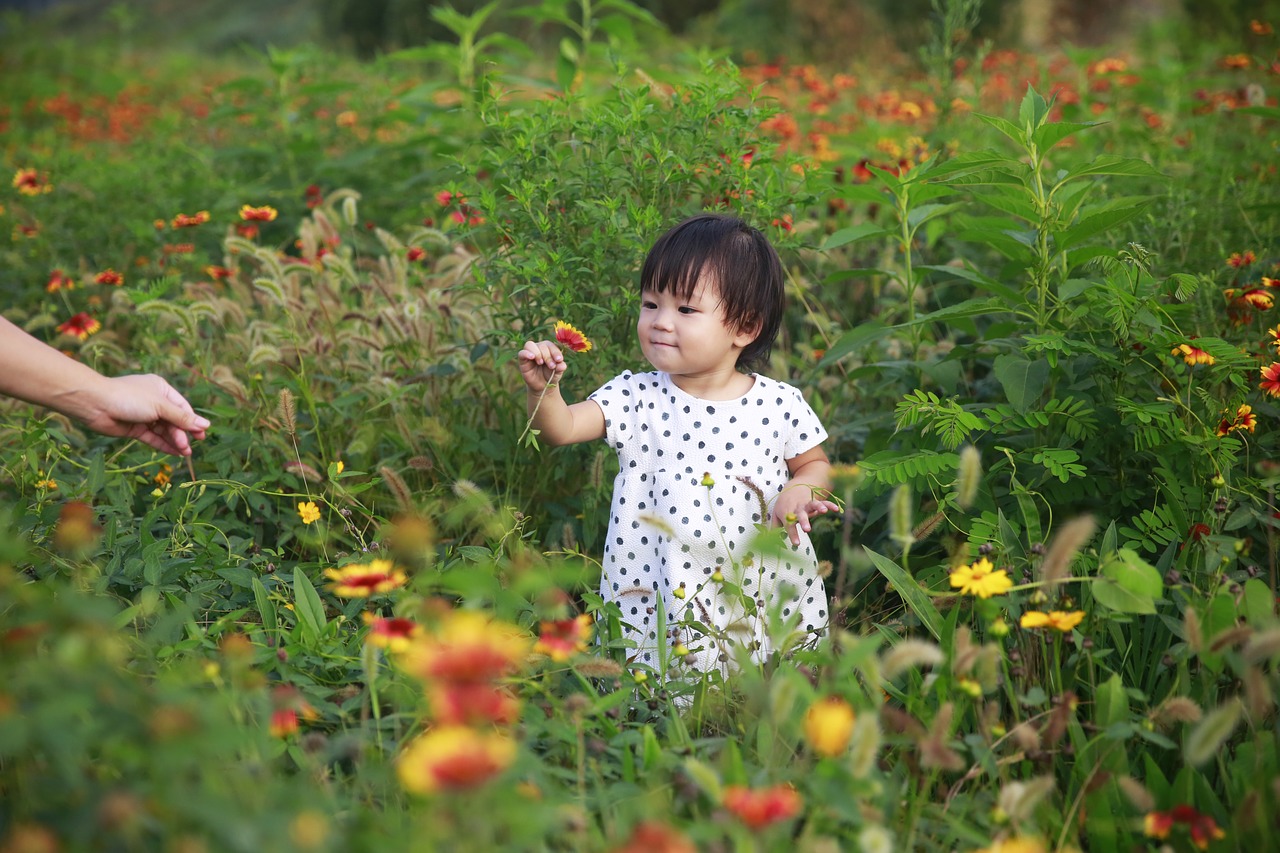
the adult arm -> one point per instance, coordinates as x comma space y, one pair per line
144, 407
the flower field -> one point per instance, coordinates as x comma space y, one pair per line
1031, 296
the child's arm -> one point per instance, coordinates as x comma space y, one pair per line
810, 477
542, 365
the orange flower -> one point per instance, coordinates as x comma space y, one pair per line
1192, 355
249, 231
467, 646
284, 722
109, 276
394, 633
31, 182
81, 326
1237, 60
1239, 260
1271, 379
58, 281
759, 808
828, 725
1260, 28
650, 837
266, 213
1201, 827
217, 273
360, 581
1109, 65
564, 638
472, 703
571, 337
182, 220
453, 758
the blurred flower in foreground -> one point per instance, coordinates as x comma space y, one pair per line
1271, 379
1192, 355
467, 646
571, 337
308, 512
760, 807
472, 703
109, 276
31, 182
564, 638
360, 581
1058, 620
80, 325
453, 758
1017, 844
77, 530
266, 213
1203, 828
981, 579
828, 725
652, 837
391, 632
59, 281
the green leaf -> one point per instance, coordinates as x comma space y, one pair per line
1128, 584
266, 607
1006, 127
1204, 741
1110, 164
912, 593
854, 340
1090, 226
307, 604
1033, 110
845, 236
704, 777
1023, 381
1050, 135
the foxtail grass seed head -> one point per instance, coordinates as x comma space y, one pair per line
1068, 541
349, 215
864, 745
1191, 628
404, 498
1026, 736
910, 654
1137, 794
286, 411
1208, 736
935, 754
1262, 646
568, 540
1019, 799
926, 527
900, 516
968, 476
1176, 709
1258, 698
599, 668
1229, 638
597, 471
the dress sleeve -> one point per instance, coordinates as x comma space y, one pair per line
805, 430
616, 399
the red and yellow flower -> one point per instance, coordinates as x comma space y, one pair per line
1201, 827
391, 632
360, 580
1057, 620
217, 273
80, 325
472, 703
1244, 419
1192, 355
572, 338
651, 837
1241, 259
758, 808
1271, 379
182, 220
467, 646
31, 182
59, 281
265, 213
415, 253
453, 758
109, 276
563, 638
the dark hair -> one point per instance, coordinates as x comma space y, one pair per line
738, 258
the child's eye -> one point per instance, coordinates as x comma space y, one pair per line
688, 309
648, 304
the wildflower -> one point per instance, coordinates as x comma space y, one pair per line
80, 325
1260, 28
284, 722
1236, 60
359, 580
828, 726
163, 475
707, 479
182, 220
347, 118
391, 632
217, 273
59, 281
415, 253
1239, 259
77, 530
571, 337
444, 198
266, 213
564, 638
308, 511
457, 703
1259, 298
981, 579
249, 231
1058, 620
762, 807
1271, 379
1244, 419
1017, 844
109, 276
651, 837
1192, 355
467, 646
1202, 827
31, 182
46, 484
453, 758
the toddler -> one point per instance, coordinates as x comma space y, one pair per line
706, 453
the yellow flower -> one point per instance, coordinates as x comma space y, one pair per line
360, 581
828, 725
1056, 619
49, 485
981, 579
1017, 844
1192, 355
309, 512
453, 758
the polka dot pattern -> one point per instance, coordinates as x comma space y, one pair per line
668, 530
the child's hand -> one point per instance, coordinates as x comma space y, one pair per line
541, 364
795, 506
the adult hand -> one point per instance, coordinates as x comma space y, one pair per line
144, 407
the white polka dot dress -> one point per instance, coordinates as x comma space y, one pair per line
668, 529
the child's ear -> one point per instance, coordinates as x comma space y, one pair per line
746, 335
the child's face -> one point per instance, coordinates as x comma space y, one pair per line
689, 337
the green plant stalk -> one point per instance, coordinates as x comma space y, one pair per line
369, 663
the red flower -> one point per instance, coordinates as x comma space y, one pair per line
391, 632
1260, 28
31, 182
182, 220
1239, 260
1197, 532
472, 703
58, 281
1259, 298
759, 808
444, 198
571, 337
266, 213
1201, 827
109, 276
564, 638
248, 231
217, 273
1271, 380
416, 253
81, 326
